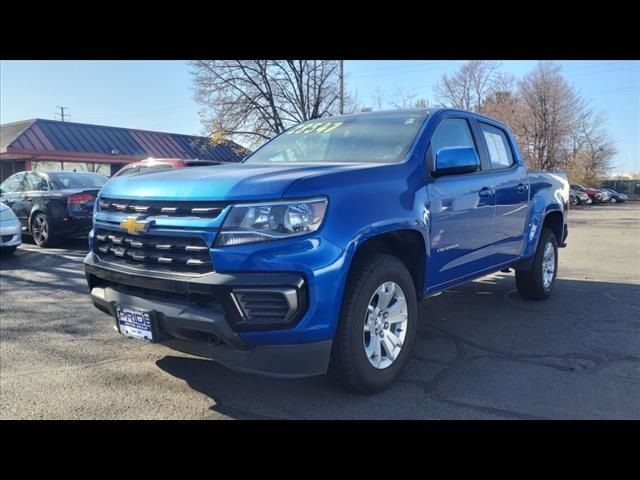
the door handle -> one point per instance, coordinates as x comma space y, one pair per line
486, 192
522, 187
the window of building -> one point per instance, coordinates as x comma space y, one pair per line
40, 165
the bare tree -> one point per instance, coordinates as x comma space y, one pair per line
253, 100
550, 108
592, 150
469, 87
378, 98
504, 102
405, 98
552, 124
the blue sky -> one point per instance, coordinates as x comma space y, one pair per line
158, 95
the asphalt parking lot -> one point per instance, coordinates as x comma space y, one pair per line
482, 351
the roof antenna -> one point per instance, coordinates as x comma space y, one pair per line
62, 115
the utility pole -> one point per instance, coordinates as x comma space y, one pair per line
62, 114
341, 87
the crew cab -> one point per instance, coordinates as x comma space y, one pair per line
312, 254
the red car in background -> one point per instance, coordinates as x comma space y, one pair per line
156, 164
596, 196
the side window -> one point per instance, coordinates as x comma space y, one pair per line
35, 183
12, 184
497, 145
452, 132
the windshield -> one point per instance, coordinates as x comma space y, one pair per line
369, 138
77, 180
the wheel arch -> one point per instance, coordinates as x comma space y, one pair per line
552, 218
555, 222
34, 211
408, 245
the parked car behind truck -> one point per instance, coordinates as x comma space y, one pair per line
596, 196
311, 255
577, 197
154, 164
10, 230
52, 205
616, 197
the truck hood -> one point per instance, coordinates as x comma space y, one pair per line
239, 181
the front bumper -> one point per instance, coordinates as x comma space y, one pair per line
199, 315
10, 233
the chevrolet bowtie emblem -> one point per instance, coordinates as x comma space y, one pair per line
133, 225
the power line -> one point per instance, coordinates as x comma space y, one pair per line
401, 68
595, 72
595, 64
149, 113
612, 90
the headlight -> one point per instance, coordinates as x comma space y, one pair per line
271, 221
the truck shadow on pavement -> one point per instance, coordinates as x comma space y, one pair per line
481, 352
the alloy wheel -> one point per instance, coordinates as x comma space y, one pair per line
385, 325
548, 265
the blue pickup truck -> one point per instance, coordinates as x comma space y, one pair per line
310, 256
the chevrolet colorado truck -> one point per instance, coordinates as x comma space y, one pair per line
310, 256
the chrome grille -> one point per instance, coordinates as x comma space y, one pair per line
162, 208
157, 252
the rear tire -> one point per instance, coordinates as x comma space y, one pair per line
42, 232
537, 283
377, 326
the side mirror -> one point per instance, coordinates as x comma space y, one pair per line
455, 161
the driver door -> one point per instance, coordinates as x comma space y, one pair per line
462, 208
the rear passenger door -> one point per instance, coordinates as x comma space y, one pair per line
24, 202
13, 192
461, 209
511, 184
10, 188
35, 186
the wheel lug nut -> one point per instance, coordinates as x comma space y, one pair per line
386, 325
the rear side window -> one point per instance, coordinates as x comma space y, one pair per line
13, 184
452, 132
498, 146
64, 180
35, 183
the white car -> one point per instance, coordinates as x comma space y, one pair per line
10, 230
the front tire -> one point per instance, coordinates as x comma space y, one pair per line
378, 324
537, 283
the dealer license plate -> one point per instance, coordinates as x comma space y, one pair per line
134, 323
